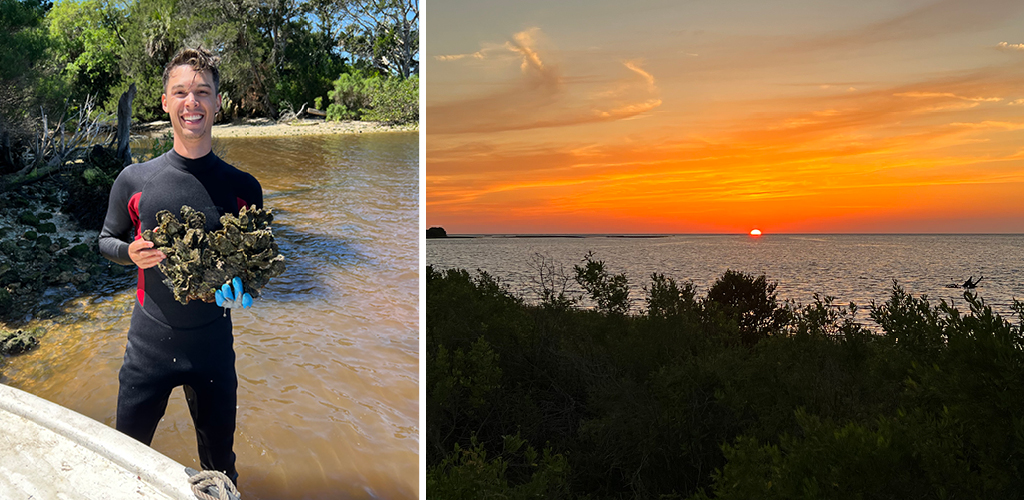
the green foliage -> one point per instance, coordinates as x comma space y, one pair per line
352, 95
24, 43
665, 299
609, 292
668, 403
468, 474
84, 48
461, 382
384, 34
308, 67
893, 457
911, 324
750, 302
271, 52
394, 101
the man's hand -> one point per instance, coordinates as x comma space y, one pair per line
143, 254
226, 298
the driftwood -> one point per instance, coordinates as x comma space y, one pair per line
315, 112
53, 148
7, 161
124, 124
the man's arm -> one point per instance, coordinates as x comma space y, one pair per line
119, 226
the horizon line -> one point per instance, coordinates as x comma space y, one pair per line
451, 235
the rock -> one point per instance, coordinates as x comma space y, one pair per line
16, 342
78, 251
29, 235
436, 232
44, 242
47, 227
198, 262
28, 218
8, 247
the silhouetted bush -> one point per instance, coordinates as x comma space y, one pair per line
750, 302
731, 395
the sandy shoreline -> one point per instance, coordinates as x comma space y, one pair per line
268, 128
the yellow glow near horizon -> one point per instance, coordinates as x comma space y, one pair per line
755, 232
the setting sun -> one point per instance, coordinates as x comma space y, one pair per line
755, 232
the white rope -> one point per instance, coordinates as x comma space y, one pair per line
207, 483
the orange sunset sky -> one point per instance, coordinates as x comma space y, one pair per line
718, 116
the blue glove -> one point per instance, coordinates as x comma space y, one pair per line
226, 298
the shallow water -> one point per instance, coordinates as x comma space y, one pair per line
327, 358
850, 267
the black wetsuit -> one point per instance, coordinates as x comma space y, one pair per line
170, 344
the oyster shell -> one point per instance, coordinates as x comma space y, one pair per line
198, 263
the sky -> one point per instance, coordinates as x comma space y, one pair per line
720, 116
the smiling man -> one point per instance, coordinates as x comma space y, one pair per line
171, 344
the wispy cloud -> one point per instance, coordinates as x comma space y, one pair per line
636, 68
1010, 46
523, 45
990, 125
542, 95
948, 94
455, 57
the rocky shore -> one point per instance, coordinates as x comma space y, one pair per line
45, 257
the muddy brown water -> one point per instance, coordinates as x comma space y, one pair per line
327, 358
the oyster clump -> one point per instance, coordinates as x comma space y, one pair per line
198, 263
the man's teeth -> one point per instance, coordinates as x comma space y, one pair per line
192, 117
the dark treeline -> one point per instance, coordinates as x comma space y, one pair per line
277, 55
727, 395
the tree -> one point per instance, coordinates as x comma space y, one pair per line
84, 48
751, 302
148, 35
24, 45
385, 33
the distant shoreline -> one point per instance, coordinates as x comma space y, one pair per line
264, 127
643, 236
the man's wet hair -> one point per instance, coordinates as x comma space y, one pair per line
199, 59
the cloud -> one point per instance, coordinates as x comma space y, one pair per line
523, 45
540, 94
990, 124
636, 68
455, 57
630, 110
948, 94
1010, 46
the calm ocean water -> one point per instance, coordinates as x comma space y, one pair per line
851, 268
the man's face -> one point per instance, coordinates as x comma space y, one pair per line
192, 102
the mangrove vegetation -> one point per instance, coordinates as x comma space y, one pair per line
725, 393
